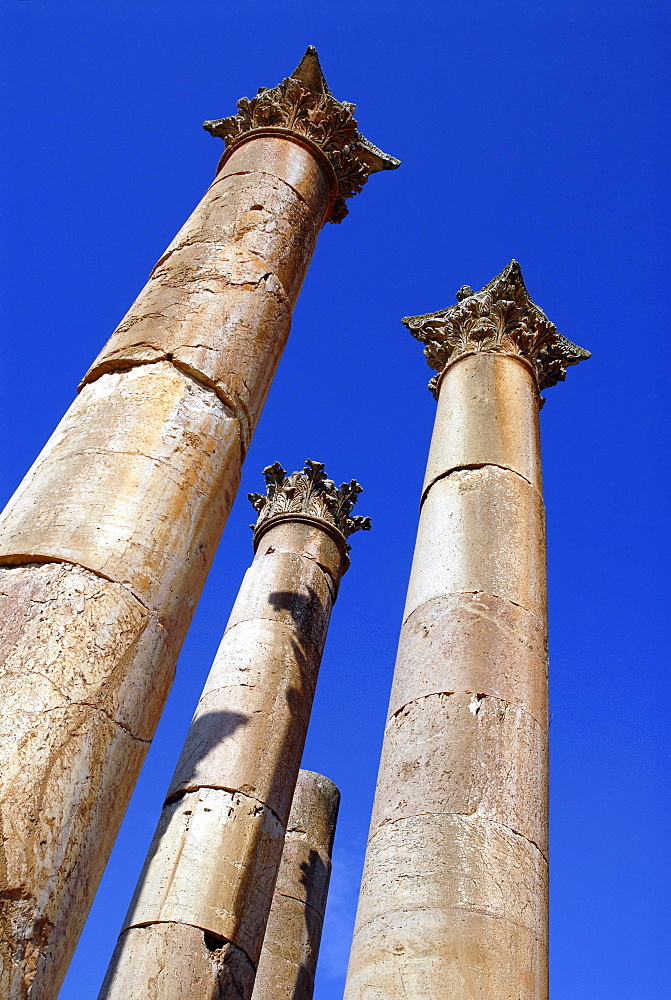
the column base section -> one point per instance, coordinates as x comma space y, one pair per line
172, 961
85, 671
290, 950
452, 954
213, 864
451, 907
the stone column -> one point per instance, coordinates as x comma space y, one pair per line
106, 544
454, 894
196, 923
291, 944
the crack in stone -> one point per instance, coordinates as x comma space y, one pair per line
469, 467
191, 789
145, 924
23, 559
468, 909
247, 173
481, 696
276, 621
475, 814
165, 463
304, 902
96, 708
473, 593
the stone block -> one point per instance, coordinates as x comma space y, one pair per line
250, 724
134, 484
288, 588
475, 643
446, 954
467, 755
442, 861
211, 849
176, 962
481, 531
487, 415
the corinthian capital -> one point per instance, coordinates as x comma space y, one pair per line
307, 496
499, 319
303, 105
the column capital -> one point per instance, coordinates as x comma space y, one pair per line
499, 319
303, 107
308, 496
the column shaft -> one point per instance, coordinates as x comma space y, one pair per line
454, 894
106, 544
216, 852
134, 488
291, 944
453, 899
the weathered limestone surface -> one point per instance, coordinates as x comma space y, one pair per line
212, 864
218, 303
473, 864
132, 490
485, 757
460, 946
481, 531
291, 944
135, 486
214, 859
506, 431
72, 742
180, 961
475, 643
454, 893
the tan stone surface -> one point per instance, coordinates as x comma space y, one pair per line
250, 724
309, 541
69, 636
218, 302
290, 952
474, 643
448, 861
213, 864
175, 962
291, 944
215, 856
481, 530
249, 727
483, 756
454, 894
83, 676
227, 330
313, 817
487, 415
444, 952
450, 906
135, 484
292, 164
288, 588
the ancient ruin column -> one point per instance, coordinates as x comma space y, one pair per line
106, 544
454, 894
291, 944
196, 923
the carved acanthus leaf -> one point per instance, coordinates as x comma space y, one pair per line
501, 319
308, 493
303, 104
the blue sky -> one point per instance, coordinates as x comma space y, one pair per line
526, 130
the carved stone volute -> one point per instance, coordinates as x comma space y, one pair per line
303, 106
499, 319
308, 496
